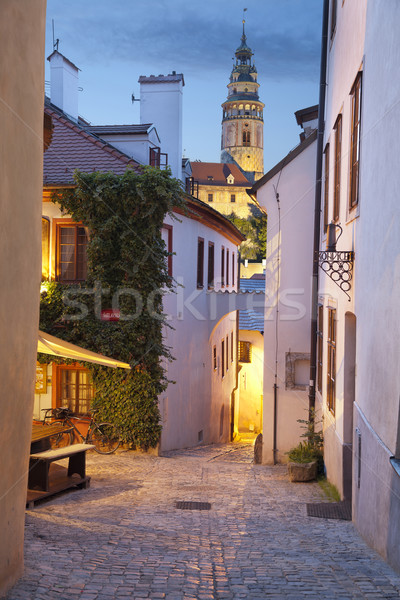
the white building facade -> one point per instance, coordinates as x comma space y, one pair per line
286, 192
359, 325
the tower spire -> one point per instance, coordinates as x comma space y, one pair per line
242, 116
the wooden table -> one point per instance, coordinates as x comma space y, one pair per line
41, 435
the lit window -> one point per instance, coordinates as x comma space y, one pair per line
71, 253
45, 247
75, 389
244, 354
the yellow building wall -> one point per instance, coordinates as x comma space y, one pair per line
222, 199
22, 28
251, 384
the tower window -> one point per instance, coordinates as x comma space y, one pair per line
246, 138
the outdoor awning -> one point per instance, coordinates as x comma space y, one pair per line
48, 344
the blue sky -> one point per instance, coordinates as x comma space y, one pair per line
113, 43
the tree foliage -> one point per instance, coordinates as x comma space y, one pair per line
127, 269
254, 227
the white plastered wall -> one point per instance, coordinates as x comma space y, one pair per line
288, 330
200, 399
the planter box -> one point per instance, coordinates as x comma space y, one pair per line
302, 471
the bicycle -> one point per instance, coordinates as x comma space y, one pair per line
104, 436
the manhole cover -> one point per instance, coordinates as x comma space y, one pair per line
330, 510
183, 505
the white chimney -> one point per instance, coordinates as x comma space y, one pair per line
64, 84
161, 105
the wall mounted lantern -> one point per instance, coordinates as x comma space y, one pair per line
338, 265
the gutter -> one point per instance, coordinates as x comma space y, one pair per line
317, 210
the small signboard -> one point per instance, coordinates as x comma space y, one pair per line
110, 314
41, 379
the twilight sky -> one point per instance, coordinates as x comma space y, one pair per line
113, 43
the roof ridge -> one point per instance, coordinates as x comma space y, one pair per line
94, 139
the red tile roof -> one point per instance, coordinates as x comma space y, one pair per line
216, 174
74, 148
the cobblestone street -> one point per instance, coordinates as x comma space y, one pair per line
124, 537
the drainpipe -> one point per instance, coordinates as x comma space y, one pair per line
317, 211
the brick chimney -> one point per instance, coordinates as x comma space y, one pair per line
64, 84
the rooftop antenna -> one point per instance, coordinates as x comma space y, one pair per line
55, 43
134, 99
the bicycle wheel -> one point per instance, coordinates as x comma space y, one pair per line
60, 439
105, 437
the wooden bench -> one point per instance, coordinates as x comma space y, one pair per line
39, 464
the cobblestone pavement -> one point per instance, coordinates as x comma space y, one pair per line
125, 538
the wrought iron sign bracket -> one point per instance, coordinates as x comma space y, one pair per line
339, 267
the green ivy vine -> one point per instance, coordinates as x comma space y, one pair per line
127, 262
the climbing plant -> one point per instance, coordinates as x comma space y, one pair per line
127, 270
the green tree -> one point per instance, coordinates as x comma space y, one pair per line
254, 227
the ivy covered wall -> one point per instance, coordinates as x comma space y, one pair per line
127, 270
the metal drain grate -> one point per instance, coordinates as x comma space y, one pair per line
183, 505
330, 510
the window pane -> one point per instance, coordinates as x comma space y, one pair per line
210, 278
45, 248
222, 267
338, 159
200, 263
72, 256
76, 390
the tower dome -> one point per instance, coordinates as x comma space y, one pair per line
242, 116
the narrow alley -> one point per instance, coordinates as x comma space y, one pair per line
124, 537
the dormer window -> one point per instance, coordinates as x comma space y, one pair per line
210, 178
230, 179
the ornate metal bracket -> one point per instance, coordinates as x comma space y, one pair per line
339, 267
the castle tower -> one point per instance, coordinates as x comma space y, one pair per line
242, 117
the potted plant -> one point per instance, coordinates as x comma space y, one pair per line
306, 459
